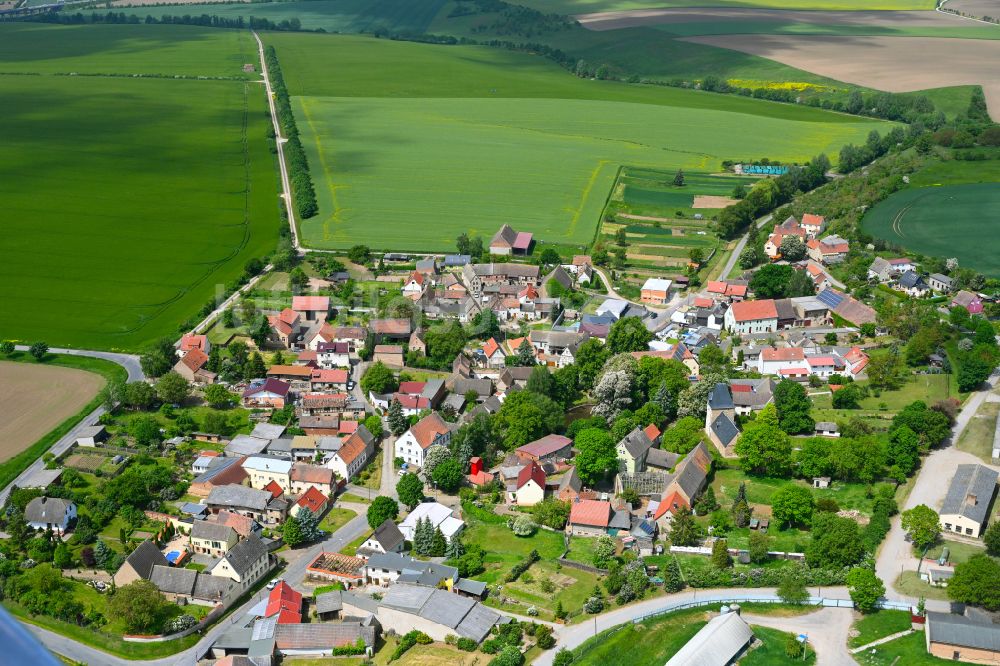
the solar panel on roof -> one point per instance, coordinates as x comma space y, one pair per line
830, 298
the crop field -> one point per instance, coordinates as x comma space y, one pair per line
37, 398
947, 221
413, 144
330, 15
659, 218
588, 6
129, 202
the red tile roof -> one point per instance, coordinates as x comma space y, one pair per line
352, 447
195, 359
192, 341
523, 240
716, 287
592, 513
670, 503
528, 292
411, 388
783, 354
275, 489
754, 310
808, 219
416, 277
311, 473
313, 500
348, 427
545, 446
329, 376
703, 302
300, 371
288, 316
311, 303
413, 401
283, 599
490, 347
793, 372
480, 478
391, 326
531, 472
652, 432
426, 430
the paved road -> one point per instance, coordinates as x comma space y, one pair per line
735, 256
201, 326
827, 630
896, 554
128, 361
572, 636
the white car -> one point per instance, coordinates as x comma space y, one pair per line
273, 584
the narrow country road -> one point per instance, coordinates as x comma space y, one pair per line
735, 256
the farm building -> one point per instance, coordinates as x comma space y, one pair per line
656, 291
721, 641
966, 506
506, 241
962, 638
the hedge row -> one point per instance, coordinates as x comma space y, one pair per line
303, 192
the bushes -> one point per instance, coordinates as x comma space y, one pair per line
408, 640
466, 644
354, 648
482, 514
522, 566
759, 577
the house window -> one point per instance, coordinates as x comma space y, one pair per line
947, 526
968, 530
956, 655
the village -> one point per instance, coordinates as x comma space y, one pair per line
474, 454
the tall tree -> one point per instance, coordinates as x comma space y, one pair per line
792, 505
865, 588
380, 510
975, 582
763, 447
410, 490
923, 525
628, 334
684, 531
172, 388
398, 423
596, 455
793, 407
254, 368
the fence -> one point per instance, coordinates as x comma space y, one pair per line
811, 601
581, 566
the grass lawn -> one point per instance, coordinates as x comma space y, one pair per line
453, 105
878, 625
10, 468
336, 518
352, 548
958, 551
504, 550
759, 490
977, 438
351, 497
909, 583
771, 650
651, 642
175, 189
906, 651
374, 470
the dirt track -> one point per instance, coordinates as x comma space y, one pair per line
37, 398
893, 64
641, 17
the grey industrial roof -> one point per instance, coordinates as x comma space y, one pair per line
725, 429
474, 587
328, 602
478, 622
720, 397
239, 496
173, 580
42, 478
234, 638
970, 480
246, 553
359, 601
246, 445
718, 642
268, 430
409, 598
826, 426
321, 635
962, 631
446, 608
193, 509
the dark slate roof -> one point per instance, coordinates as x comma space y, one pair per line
662, 459
720, 397
328, 602
474, 587
359, 601
145, 557
693, 470
963, 632
620, 519
239, 496
46, 510
911, 279
246, 553
203, 529
725, 429
212, 588
969, 480
637, 442
388, 535
173, 580
570, 481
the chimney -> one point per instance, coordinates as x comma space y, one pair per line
971, 499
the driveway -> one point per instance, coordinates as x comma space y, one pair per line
930, 488
827, 630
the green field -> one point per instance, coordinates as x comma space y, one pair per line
329, 15
947, 221
433, 141
587, 6
129, 201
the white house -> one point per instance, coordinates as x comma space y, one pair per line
772, 361
494, 354
939, 283
439, 516
246, 562
746, 317
813, 224
50, 513
427, 432
262, 471
333, 355
528, 489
